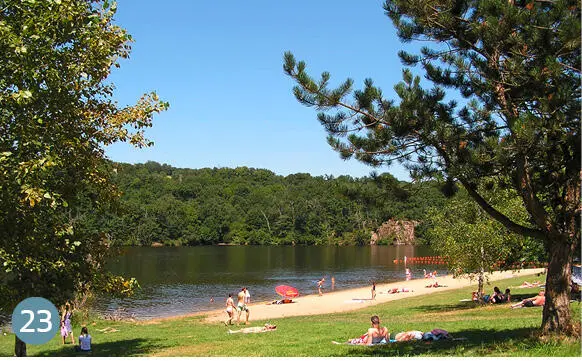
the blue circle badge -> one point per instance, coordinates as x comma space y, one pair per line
35, 320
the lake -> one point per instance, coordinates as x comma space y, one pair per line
183, 280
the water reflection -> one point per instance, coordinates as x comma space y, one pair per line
183, 280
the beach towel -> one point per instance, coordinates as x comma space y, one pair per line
408, 336
257, 329
383, 342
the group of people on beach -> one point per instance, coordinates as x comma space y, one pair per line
496, 297
243, 299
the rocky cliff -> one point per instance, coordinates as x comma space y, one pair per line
395, 232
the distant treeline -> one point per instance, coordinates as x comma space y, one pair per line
176, 206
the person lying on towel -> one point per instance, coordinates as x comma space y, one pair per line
257, 329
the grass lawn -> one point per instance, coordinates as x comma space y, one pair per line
489, 331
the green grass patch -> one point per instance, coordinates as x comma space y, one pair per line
494, 330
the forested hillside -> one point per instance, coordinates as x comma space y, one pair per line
174, 206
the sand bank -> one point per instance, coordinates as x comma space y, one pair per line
353, 299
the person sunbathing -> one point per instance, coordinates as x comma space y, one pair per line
398, 290
266, 328
408, 336
376, 334
281, 302
538, 300
526, 284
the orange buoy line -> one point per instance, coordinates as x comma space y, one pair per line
423, 260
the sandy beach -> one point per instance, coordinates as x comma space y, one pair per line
352, 299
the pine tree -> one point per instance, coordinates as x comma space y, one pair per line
516, 67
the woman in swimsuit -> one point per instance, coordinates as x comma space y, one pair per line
229, 310
376, 333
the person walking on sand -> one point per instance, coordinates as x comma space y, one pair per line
241, 306
408, 274
373, 290
229, 310
320, 285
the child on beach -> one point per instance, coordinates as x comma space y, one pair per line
320, 285
247, 296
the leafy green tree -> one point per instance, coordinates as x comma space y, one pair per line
56, 116
472, 241
517, 66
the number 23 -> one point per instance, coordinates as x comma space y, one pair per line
46, 320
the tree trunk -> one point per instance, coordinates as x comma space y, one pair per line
481, 277
480, 288
556, 314
19, 347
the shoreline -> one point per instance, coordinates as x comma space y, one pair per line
349, 299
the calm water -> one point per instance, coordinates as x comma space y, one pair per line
182, 280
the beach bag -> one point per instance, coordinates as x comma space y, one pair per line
440, 333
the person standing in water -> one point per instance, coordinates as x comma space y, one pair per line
247, 296
320, 285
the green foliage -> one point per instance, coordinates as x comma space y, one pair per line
246, 206
473, 242
514, 67
56, 115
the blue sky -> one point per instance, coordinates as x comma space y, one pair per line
219, 65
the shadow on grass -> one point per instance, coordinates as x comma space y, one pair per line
470, 305
133, 347
461, 306
474, 342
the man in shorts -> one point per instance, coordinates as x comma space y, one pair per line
538, 300
241, 306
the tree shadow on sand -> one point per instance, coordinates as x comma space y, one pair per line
133, 347
476, 342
